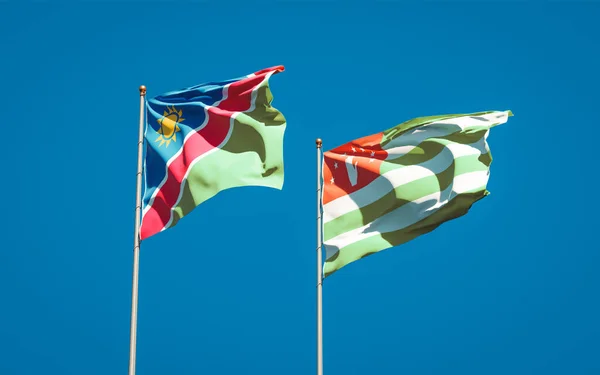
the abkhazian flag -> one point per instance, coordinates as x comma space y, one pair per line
208, 138
388, 188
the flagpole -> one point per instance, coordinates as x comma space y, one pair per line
319, 266
136, 238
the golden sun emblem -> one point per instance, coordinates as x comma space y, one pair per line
169, 126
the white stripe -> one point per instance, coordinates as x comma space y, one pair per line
402, 175
405, 143
409, 213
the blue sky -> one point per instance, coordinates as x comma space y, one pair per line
231, 288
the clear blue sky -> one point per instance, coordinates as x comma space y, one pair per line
231, 288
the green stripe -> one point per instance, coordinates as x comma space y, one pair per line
467, 136
401, 195
425, 151
253, 156
457, 207
431, 147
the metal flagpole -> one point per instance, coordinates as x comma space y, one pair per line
136, 238
319, 266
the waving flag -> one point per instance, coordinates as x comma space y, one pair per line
386, 189
208, 138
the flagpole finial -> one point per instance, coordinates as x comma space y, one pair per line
319, 142
142, 90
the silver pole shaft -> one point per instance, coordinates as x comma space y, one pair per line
319, 267
136, 238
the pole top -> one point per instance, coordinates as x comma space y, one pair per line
319, 142
142, 90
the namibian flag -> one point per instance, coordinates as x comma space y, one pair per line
208, 138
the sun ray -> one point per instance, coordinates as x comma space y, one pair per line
169, 126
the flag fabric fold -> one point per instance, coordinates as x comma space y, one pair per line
388, 188
207, 138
